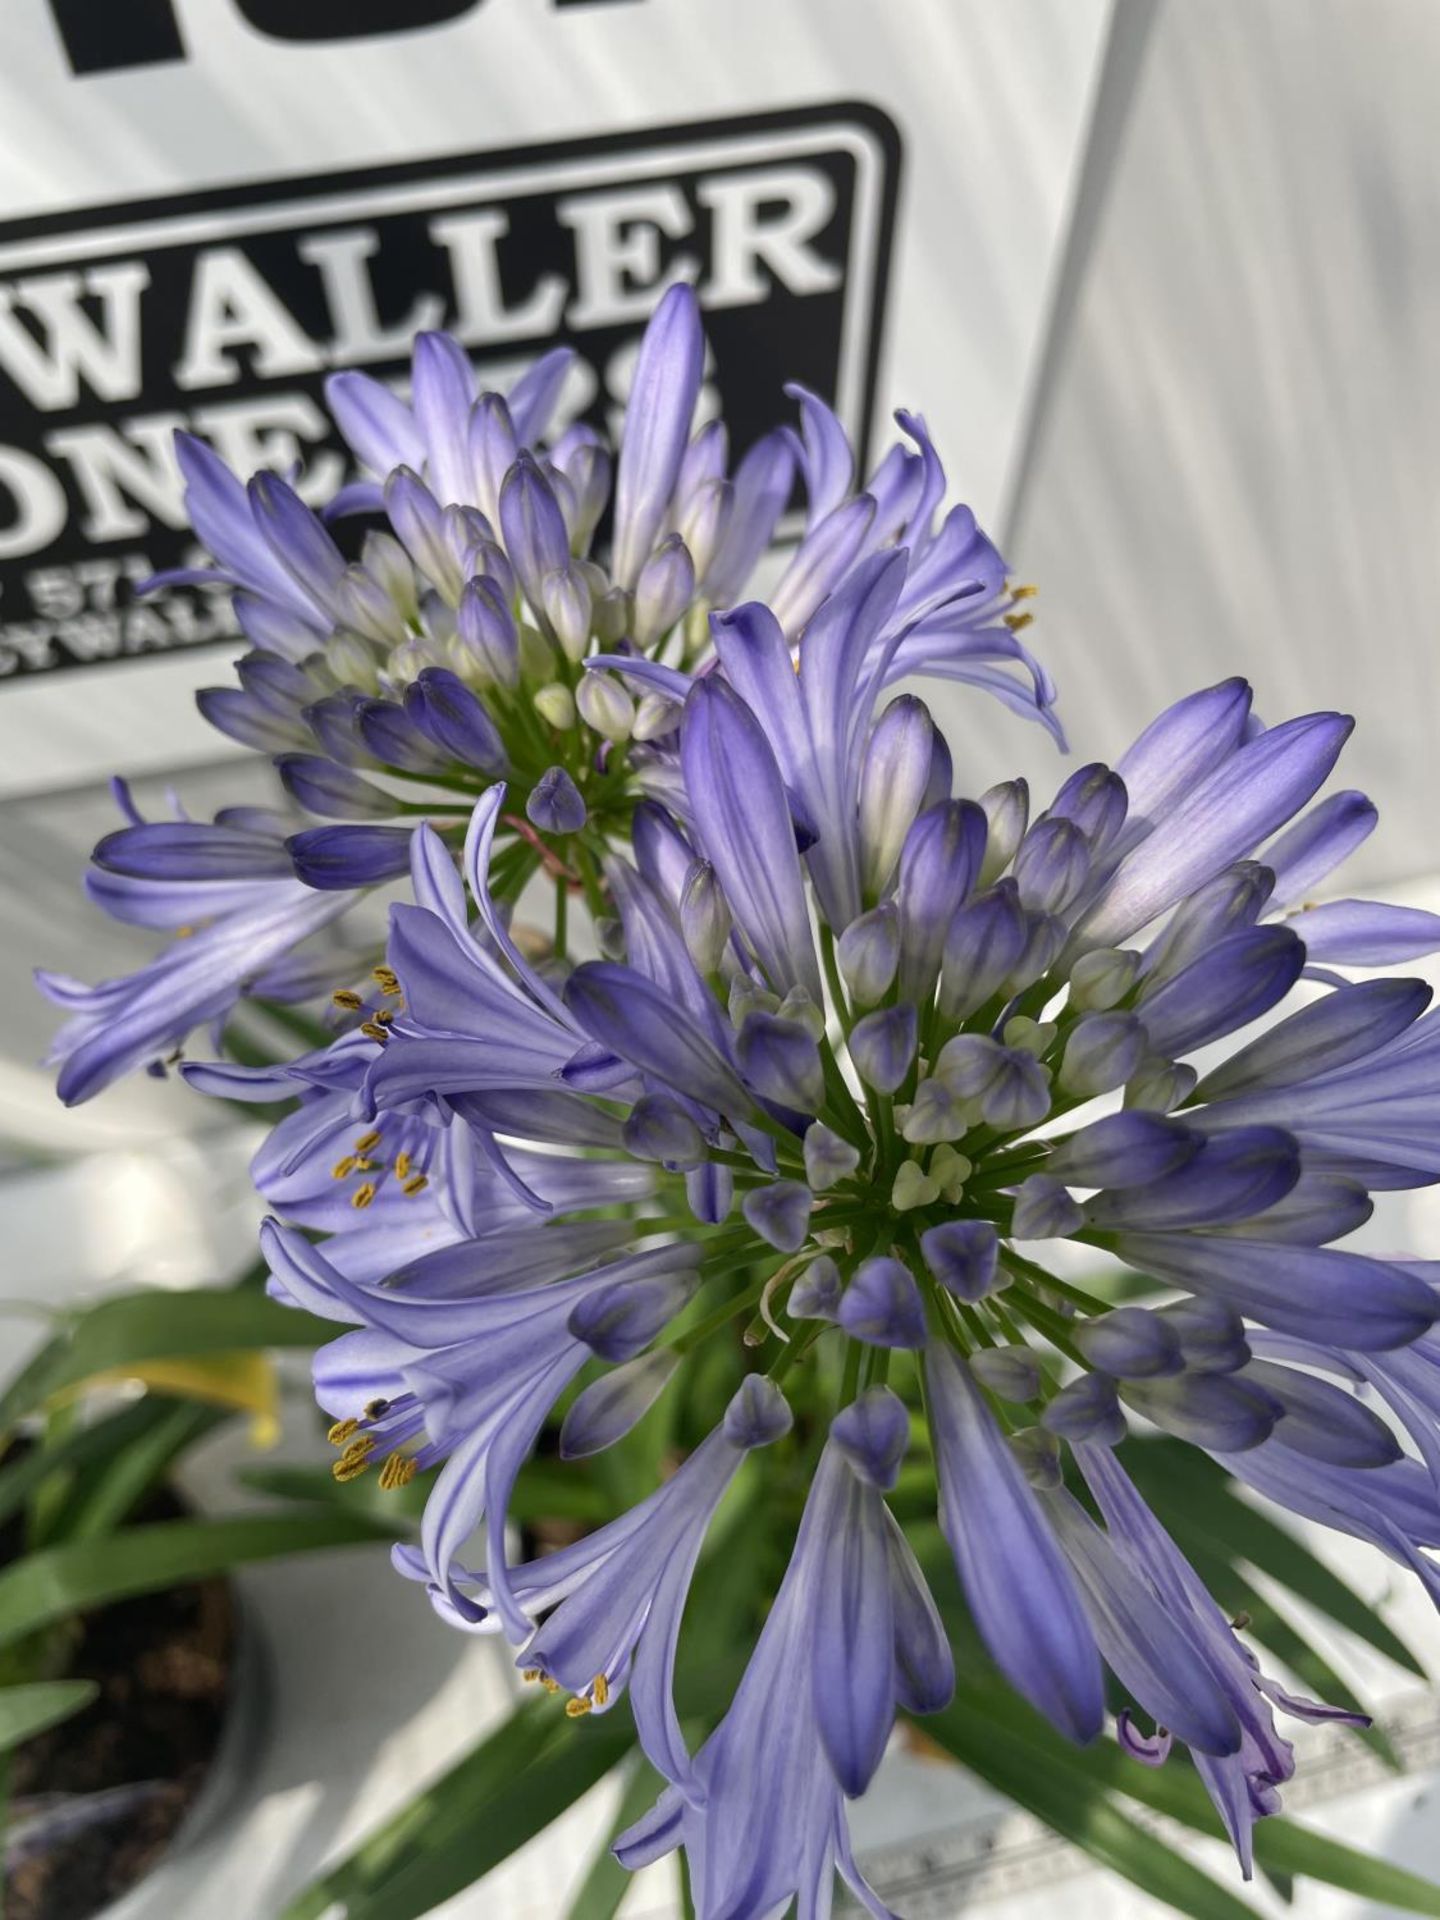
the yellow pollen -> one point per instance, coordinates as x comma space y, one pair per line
360, 1448
1017, 622
550, 1686
368, 1140
348, 1467
362, 1196
373, 1030
600, 1687
417, 1185
1023, 593
576, 1709
366, 1166
402, 1165
398, 1471
530, 1675
346, 999
342, 1169
342, 1431
184, 933
387, 980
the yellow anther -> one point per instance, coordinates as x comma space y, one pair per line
530, 1675
342, 1431
368, 1140
184, 933
346, 999
1023, 592
349, 1467
360, 1448
387, 977
1017, 622
384, 1016
576, 1709
366, 1166
398, 1471
362, 1196
550, 1686
416, 1185
402, 1165
373, 1030
600, 1688
342, 1169
375, 1408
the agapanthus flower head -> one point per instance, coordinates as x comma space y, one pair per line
525, 602
861, 1054
862, 1097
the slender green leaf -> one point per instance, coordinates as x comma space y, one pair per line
149, 1325
1282, 1846
109, 1491
100, 1439
599, 1894
70, 1579
1195, 1497
522, 1808
435, 1813
28, 1710
1270, 1627
1065, 1795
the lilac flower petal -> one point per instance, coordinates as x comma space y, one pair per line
1016, 1580
1305, 854
743, 818
1181, 747
1338, 1299
658, 414
1221, 819
1235, 1175
1347, 1025
1236, 981
1127, 1149
762, 486
379, 428
1365, 933
628, 1013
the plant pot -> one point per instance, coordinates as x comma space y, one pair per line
156, 1760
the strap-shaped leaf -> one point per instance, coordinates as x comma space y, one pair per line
1193, 1496
70, 1579
1065, 1794
148, 1325
28, 1710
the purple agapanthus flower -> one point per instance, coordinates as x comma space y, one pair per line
460, 643
881, 1045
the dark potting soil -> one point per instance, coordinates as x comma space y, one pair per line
163, 1665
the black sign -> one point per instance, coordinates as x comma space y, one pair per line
222, 312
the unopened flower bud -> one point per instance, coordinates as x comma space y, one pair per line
1102, 1052
1159, 1086
1129, 1342
868, 953
1101, 979
555, 804
567, 604
605, 705
1037, 1452
556, 704
705, 522
1044, 1210
656, 716
1011, 1373
1007, 810
828, 1158
486, 633
816, 1294
663, 591
893, 782
704, 917
882, 1046
964, 1256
